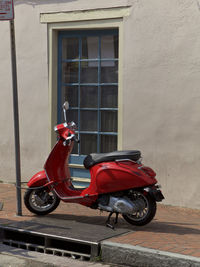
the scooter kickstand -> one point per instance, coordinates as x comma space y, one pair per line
116, 218
108, 222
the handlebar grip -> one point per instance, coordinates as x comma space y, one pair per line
65, 142
68, 139
72, 138
76, 139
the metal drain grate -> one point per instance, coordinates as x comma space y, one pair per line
49, 244
42, 249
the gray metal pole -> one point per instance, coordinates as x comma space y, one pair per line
16, 118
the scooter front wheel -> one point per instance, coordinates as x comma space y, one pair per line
146, 212
41, 201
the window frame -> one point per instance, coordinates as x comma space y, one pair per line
53, 29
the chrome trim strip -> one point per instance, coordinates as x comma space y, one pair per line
119, 160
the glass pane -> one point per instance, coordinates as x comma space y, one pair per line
88, 144
108, 143
109, 46
109, 121
89, 96
109, 71
71, 95
70, 48
72, 115
89, 120
90, 47
109, 95
89, 74
70, 72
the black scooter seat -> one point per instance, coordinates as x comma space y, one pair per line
96, 158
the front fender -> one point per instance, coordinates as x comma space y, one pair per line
38, 179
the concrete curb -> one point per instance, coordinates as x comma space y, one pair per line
116, 253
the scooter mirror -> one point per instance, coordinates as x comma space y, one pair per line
66, 105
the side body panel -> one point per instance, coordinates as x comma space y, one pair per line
116, 176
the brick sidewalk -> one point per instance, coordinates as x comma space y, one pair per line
174, 229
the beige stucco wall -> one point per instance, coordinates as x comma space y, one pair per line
32, 64
33, 97
160, 83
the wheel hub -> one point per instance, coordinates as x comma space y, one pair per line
40, 201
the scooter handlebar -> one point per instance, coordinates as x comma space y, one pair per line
76, 139
71, 138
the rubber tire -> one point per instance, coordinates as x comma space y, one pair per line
31, 209
149, 216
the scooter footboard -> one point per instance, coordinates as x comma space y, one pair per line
39, 179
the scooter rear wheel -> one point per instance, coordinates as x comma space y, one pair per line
41, 201
146, 213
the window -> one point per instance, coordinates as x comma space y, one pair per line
88, 79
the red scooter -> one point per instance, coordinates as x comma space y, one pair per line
120, 183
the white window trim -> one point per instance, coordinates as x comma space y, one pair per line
83, 15
82, 20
